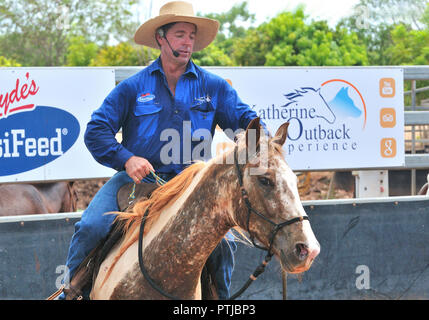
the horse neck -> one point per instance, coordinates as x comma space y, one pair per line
178, 253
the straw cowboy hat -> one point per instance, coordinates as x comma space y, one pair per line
177, 11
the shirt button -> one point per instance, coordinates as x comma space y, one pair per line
176, 111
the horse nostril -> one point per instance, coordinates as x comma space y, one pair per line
301, 251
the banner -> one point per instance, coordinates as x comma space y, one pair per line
43, 116
340, 118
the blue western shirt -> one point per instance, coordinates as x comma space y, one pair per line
157, 125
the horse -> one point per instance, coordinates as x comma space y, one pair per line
37, 198
250, 188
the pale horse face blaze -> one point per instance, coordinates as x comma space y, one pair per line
273, 191
296, 244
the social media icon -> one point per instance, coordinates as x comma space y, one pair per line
387, 117
388, 147
387, 87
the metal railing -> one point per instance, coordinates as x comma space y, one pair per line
418, 119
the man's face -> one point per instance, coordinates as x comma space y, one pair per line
181, 37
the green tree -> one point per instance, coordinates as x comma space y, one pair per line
37, 33
124, 54
212, 56
81, 52
290, 40
409, 47
4, 62
374, 21
232, 22
232, 27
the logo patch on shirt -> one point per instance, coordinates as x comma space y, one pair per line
145, 97
203, 99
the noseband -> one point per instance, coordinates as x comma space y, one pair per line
250, 210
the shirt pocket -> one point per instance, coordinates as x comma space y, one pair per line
147, 115
202, 115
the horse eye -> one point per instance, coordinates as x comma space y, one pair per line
265, 181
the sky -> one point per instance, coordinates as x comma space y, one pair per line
330, 10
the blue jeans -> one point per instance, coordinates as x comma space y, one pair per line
94, 225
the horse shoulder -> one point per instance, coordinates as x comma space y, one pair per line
103, 288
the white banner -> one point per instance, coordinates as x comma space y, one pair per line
339, 117
43, 117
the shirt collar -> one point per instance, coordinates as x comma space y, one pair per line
157, 66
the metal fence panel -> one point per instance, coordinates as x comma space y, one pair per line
386, 238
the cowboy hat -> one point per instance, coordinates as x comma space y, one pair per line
177, 11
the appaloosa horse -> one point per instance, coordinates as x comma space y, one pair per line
23, 199
189, 215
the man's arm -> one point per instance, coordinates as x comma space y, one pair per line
104, 125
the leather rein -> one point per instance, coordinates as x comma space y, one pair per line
260, 269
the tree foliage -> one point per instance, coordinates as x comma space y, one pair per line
4, 62
81, 52
408, 46
124, 54
375, 21
37, 32
97, 33
289, 40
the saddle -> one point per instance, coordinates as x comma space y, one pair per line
139, 191
87, 271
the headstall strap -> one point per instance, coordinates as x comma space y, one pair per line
245, 196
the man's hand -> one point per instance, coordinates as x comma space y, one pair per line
138, 168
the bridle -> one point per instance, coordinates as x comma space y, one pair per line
260, 269
276, 228
250, 210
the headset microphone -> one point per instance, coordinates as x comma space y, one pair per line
161, 33
175, 53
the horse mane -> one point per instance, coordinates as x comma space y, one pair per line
298, 94
161, 198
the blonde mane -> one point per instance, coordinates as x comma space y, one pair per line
161, 198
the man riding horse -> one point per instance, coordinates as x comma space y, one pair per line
172, 93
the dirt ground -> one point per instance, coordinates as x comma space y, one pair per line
314, 186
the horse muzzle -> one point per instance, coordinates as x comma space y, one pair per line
300, 258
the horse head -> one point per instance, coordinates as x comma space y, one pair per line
270, 209
312, 98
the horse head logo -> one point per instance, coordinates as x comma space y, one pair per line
310, 97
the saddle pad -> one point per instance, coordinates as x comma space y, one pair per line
142, 190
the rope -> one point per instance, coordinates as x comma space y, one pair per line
158, 180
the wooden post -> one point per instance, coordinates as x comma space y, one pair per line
284, 280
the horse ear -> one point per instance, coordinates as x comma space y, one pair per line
253, 125
281, 134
